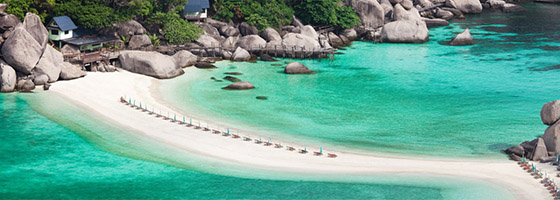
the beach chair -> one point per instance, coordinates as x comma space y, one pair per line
332, 155
277, 146
267, 144
234, 136
247, 139
206, 129
303, 151
316, 153
258, 141
225, 134
291, 148
216, 131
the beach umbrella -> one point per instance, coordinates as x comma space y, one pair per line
174, 117
134, 102
556, 157
183, 118
145, 107
129, 100
524, 158
305, 148
190, 121
269, 140
140, 104
228, 130
198, 123
321, 150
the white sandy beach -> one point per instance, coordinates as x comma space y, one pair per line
100, 92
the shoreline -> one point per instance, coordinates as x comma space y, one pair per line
100, 92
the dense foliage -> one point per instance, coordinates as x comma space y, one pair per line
261, 14
176, 30
326, 12
104, 13
276, 13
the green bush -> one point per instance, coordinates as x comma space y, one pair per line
326, 12
261, 14
176, 30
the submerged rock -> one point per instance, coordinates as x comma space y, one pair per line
297, 68
232, 79
262, 98
509, 7
243, 85
268, 58
462, 39
517, 150
204, 65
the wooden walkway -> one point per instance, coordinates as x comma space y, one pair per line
275, 51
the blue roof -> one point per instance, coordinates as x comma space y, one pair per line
196, 5
65, 23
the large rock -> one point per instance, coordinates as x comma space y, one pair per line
214, 23
407, 4
207, 41
444, 14
406, 31
296, 22
152, 64
242, 85
41, 79
399, 13
246, 29
138, 41
25, 85
126, 29
540, 150
3, 7
21, 51
269, 34
462, 39
465, 6
210, 30
299, 40
7, 77
69, 72
335, 41
350, 33
241, 54
309, 31
517, 150
509, 7
370, 11
33, 25
185, 58
550, 112
229, 31
230, 42
250, 42
8, 22
69, 49
297, 68
49, 64
551, 138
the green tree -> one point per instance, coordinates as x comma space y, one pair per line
176, 30
326, 12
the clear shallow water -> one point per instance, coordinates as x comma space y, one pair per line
427, 98
69, 159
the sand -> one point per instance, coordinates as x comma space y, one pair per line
100, 92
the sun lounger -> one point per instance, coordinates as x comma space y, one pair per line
235, 136
206, 129
258, 141
247, 139
316, 153
291, 148
216, 131
302, 151
277, 146
267, 144
332, 155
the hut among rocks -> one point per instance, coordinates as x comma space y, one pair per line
196, 10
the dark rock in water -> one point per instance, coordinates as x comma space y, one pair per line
515, 157
213, 78
266, 57
234, 73
46, 86
462, 39
204, 65
549, 68
243, 85
297, 68
276, 64
232, 79
509, 7
517, 150
262, 98
432, 23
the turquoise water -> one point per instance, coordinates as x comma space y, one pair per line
430, 99
78, 156
421, 99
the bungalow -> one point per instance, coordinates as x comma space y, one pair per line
61, 28
196, 10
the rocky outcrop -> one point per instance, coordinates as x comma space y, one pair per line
444, 14
69, 72
465, 6
204, 65
138, 41
517, 150
406, 31
230, 42
299, 40
269, 34
242, 85
551, 138
462, 39
185, 58
207, 41
229, 31
8, 22
246, 29
7, 77
540, 150
335, 41
210, 30
370, 11
33, 25
41, 80
250, 41
296, 22
21, 51
25, 85
267, 58
69, 49
309, 31
125, 29
297, 68
241, 54
400, 13
550, 112
350, 33
152, 64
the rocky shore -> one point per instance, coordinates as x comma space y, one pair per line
27, 60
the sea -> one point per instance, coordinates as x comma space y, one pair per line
421, 100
